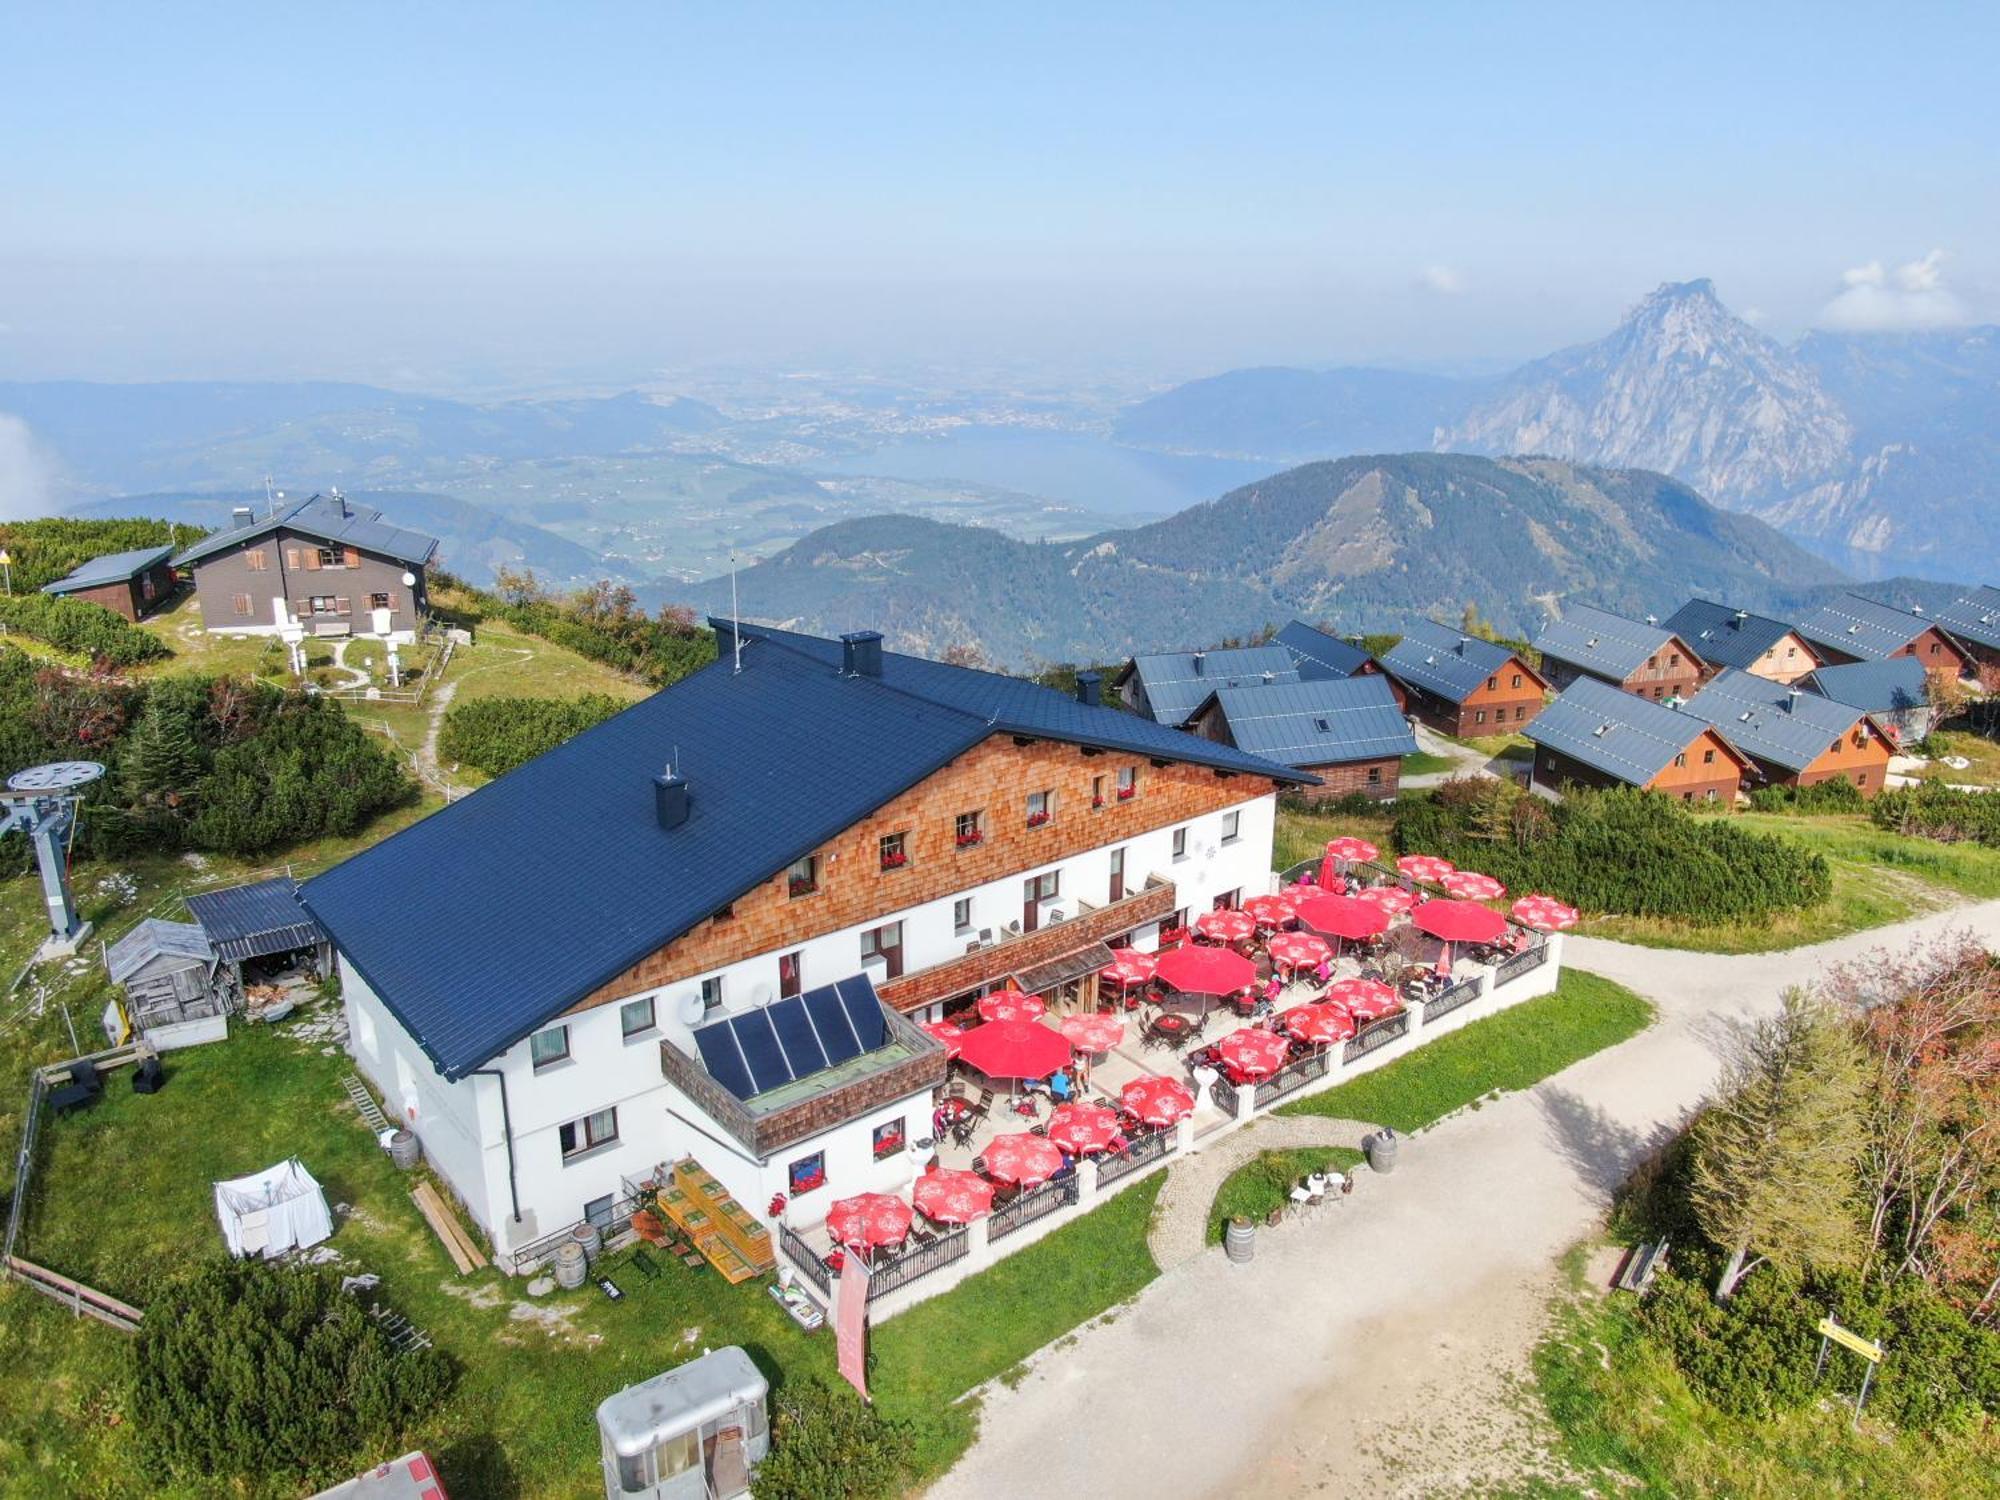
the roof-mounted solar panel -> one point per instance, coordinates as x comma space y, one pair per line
724, 1059
864, 1010
796, 1034
831, 1021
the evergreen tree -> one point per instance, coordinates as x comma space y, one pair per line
160, 764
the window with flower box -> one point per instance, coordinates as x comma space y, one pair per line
889, 1139
1128, 783
895, 851
802, 879
1096, 792
1041, 808
970, 829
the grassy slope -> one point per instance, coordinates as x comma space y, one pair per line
1982, 752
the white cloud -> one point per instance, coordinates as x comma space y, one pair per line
1876, 299
27, 473
1441, 279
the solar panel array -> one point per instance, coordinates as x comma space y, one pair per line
1621, 734
1318, 723
793, 1038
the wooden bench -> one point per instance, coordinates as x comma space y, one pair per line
1641, 1266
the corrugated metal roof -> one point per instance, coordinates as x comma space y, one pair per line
1318, 723
479, 923
1860, 627
1603, 643
330, 521
1721, 637
1177, 684
1608, 729
1889, 686
1974, 617
1767, 721
112, 567
1442, 661
1318, 655
255, 921
151, 939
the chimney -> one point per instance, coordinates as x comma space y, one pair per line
1652, 619
861, 653
1463, 642
1090, 689
1200, 663
1791, 700
1736, 620
670, 798
241, 515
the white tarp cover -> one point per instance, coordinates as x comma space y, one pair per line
270, 1212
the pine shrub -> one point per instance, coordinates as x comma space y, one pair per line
827, 1445
498, 734
78, 626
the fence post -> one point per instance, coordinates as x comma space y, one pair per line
978, 1251
1086, 1181
1416, 1009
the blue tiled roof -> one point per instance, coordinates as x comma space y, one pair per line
1888, 686
1974, 617
113, 567
1610, 730
1599, 642
256, 920
480, 923
1443, 662
329, 521
1767, 721
1860, 627
1725, 636
1177, 684
1318, 723
1318, 655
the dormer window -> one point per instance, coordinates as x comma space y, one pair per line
802, 879
895, 851
1128, 783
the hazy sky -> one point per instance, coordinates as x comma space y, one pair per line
428, 194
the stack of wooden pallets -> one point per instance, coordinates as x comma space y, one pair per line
726, 1234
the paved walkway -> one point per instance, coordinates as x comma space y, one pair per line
1180, 1219
1401, 1318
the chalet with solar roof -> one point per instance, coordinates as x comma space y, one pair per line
1642, 657
1973, 620
1895, 692
1725, 636
1347, 731
712, 926
1596, 735
1850, 628
1795, 737
1168, 686
1461, 685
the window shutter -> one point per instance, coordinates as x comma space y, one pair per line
340, 605
292, 558
241, 604
353, 557
302, 607
312, 559
254, 559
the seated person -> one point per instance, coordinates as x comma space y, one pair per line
1059, 1086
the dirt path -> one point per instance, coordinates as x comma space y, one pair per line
1380, 1350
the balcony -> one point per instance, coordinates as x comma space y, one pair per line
1015, 952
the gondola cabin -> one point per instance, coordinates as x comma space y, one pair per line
693, 1433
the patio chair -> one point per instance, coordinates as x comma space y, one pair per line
985, 1104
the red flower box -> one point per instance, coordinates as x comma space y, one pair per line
1127, 793
1096, 802
967, 840
801, 887
1036, 820
894, 861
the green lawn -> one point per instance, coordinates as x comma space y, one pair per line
1302, 833
1266, 1182
1627, 1425
1423, 763
1977, 748
1514, 1050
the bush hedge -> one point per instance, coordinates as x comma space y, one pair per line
1620, 852
827, 1445
1933, 810
603, 622
1835, 796
498, 734
79, 626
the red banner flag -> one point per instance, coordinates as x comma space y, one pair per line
850, 1325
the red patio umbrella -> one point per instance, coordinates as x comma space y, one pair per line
1544, 914
1013, 1049
1300, 890
1364, 999
1460, 921
1253, 1051
1318, 1024
1226, 926
1391, 898
1011, 1005
1343, 916
1156, 1100
868, 1220
1130, 966
1347, 849
1205, 971
1426, 867
1022, 1158
1297, 950
952, 1197
1271, 911
1092, 1033
1082, 1128
1470, 885
950, 1035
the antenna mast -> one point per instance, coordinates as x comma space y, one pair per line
735, 620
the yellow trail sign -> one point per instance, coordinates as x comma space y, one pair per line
1847, 1338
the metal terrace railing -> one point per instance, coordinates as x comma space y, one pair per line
1034, 1204
806, 1260
1116, 1164
539, 1252
1223, 1092
1375, 1034
1292, 1076
1445, 1001
1520, 963
917, 1262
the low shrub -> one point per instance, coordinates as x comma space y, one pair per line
271, 1372
498, 734
1836, 796
602, 622
1933, 810
826, 1444
79, 626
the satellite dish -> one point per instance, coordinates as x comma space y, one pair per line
56, 776
409, 580
761, 994
691, 1008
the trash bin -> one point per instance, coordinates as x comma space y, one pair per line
1381, 1150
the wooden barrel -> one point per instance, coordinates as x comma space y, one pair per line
1239, 1240
570, 1265
590, 1237
405, 1150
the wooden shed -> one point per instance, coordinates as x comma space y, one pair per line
167, 971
